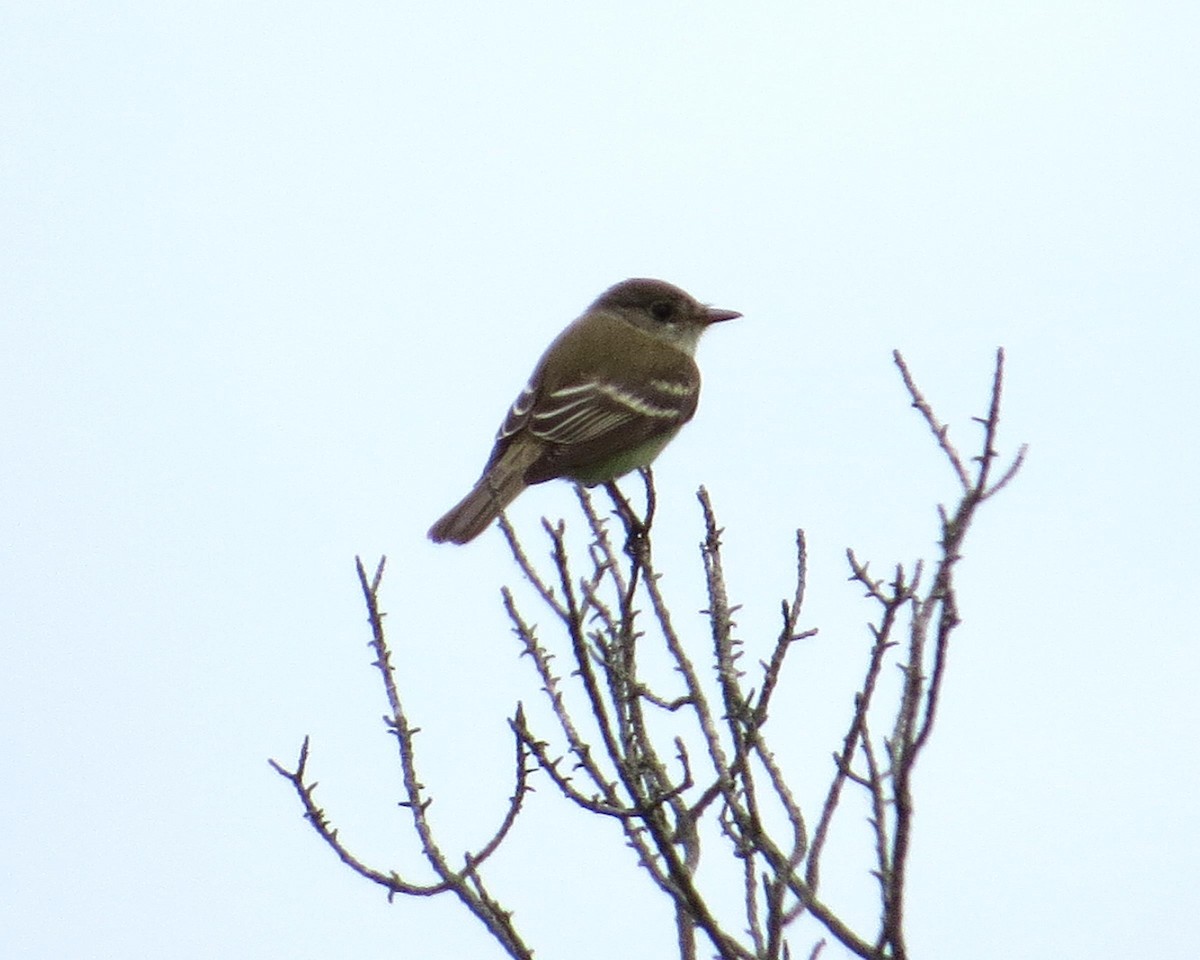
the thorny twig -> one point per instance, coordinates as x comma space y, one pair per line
724, 772
464, 882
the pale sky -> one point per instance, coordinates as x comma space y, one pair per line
271, 274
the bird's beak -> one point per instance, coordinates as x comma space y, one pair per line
716, 314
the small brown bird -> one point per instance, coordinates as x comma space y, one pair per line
605, 398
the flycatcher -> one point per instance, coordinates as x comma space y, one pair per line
605, 398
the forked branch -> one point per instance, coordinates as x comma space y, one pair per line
681, 761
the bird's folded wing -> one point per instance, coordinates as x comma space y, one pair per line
578, 414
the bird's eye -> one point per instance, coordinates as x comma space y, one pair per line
663, 310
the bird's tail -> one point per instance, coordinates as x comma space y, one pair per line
494, 491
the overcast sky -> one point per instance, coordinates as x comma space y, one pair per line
271, 274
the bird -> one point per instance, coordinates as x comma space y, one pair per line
608, 394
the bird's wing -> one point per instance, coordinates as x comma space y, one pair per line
584, 412
587, 420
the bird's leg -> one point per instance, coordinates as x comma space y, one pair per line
647, 474
635, 547
635, 527
637, 530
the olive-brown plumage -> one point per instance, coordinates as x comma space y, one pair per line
604, 399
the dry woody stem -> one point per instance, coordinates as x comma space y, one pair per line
682, 764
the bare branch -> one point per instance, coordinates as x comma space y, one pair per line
940, 430
316, 816
679, 761
787, 635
